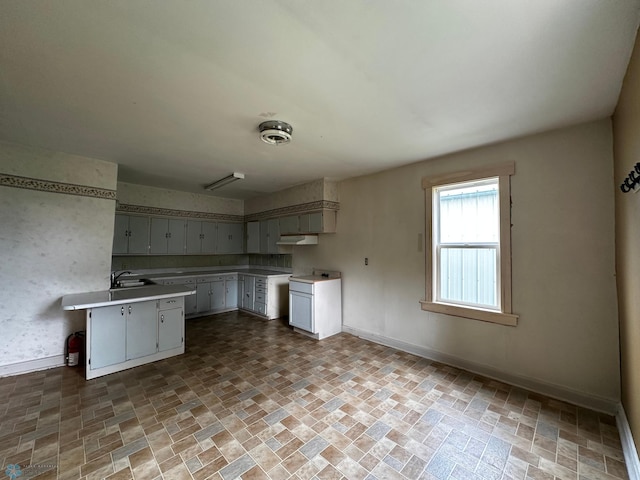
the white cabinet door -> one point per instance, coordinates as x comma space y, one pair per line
301, 311
107, 336
142, 329
170, 333
249, 286
264, 236
230, 237
191, 301
231, 293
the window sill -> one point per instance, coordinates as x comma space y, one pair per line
472, 313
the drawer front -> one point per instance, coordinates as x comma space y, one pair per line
205, 279
260, 297
261, 281
170, 303
188, 281
261, 290
302, 287
233, 276
260, 308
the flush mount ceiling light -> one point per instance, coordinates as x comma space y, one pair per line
225, 181
275, 132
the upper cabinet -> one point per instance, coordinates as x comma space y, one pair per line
230, 238
201, 237
316, 222
253, 237
131, 235
167, 235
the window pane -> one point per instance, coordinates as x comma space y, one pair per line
469, 275
469, 213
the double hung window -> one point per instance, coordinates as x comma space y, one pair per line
469, 235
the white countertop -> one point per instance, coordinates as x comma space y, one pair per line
311, 279
105, 298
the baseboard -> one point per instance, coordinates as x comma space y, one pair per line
628, 445
31, 366
601, 404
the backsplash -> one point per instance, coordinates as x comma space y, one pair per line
138, 262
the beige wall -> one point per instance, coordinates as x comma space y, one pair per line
132, 194
626, 128
51, 244
563, 264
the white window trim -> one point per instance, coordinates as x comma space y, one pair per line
503, 172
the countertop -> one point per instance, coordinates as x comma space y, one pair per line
105, 298
312, 278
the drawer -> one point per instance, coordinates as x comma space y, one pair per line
170, 303
302, 287
233, 276
205, 279
261, 281
260, 308
260, 297
261, 290
188, 281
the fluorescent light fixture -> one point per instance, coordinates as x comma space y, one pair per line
225, 181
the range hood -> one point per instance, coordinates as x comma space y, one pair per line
298, 240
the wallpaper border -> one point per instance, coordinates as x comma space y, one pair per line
28, 183
293, 209
170, 212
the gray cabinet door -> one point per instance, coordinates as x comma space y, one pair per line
230, 237
315, 222
289, 224
203, 297
231, 294
274, 235
253, 237
209, 237
108, 336
138, 235
158, 235
142, 329
301, 311
217, 295
264, 236
194, 236
176, 239
249, 287
170, 329
121, 234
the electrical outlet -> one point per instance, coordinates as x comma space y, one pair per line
366, 260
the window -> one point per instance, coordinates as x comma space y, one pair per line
469, 233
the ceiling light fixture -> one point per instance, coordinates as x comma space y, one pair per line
275, 132
225, 181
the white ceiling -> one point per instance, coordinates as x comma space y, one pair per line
173, 91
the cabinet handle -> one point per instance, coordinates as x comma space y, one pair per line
171, 301
161, 318
122, 311
129, 309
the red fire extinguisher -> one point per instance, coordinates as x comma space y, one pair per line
74, 349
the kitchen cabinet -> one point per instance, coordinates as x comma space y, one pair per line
217, 294
167, 236
269, 235
128, 335
108, 336
253, 237
201, 237
248, 291
141, 329
131, 235
315, 306
170, 325
230, 238
316, 222
265, 295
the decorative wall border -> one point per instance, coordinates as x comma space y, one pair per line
170, 212
56, 187
293, 209
276, 212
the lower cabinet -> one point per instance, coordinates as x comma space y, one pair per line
129, 335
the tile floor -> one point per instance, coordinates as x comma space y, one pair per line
253, 400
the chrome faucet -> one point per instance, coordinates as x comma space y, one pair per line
114, 277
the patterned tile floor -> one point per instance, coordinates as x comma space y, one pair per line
254, 400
